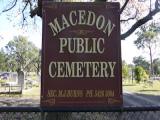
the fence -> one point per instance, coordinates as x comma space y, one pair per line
11, 89
36, 113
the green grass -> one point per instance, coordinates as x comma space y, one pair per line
32, 92
142, 87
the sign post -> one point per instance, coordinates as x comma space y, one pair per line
81, 56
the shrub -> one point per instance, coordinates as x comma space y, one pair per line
140, 74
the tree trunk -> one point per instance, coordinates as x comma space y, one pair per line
151, 61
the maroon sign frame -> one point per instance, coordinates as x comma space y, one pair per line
81, 56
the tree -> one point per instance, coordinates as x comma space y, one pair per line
147, 39
141, 11
140, 74
156, 66
125, 70
21, 54
140, 61
3, 61
37, 62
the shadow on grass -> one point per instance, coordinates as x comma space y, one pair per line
149, 90
129, 85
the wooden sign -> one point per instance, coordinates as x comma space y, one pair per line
81, 56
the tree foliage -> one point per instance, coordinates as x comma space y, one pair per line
156, 66
140, 74
140, 61
21, 54
147, 38
3, 61
125, 70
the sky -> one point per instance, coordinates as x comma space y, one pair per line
8, 31
10, 28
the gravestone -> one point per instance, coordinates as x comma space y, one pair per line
21, 78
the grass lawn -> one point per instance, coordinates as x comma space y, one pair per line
142, 88
33, 92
